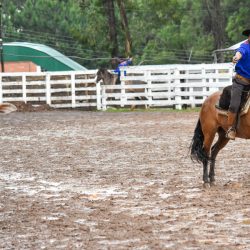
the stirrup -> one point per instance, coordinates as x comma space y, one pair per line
231, 133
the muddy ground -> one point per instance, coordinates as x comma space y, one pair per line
99, 180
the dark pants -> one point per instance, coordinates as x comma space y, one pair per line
236, 93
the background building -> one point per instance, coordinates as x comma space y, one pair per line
26, 57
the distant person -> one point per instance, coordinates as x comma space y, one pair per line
121, 63
241, 82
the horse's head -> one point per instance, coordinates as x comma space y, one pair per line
107, 77
100, 74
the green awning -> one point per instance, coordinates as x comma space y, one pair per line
46, 57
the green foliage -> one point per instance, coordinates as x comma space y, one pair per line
162, 31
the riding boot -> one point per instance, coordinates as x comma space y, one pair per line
231, 120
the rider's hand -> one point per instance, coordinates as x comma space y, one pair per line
235, 59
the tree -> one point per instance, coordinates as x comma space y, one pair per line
59, 24
110, 12
125, 27
238, 18
217, 24
153, 31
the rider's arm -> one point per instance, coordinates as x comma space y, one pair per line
127, 62
237, 57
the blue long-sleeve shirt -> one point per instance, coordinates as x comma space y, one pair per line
243, 65
124, 63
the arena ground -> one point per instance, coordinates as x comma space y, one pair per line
100, 180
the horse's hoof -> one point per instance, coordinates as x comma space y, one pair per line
206, 185
212, 184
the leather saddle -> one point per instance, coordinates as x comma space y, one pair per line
224, 101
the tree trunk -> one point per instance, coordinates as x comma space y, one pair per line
217, 24
110, 12
125, 27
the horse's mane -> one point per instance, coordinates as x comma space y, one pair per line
104, 70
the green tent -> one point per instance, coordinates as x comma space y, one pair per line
47, 58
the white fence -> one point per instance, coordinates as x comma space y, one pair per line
58, 89
164, 86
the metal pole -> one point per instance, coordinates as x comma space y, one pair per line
1, 37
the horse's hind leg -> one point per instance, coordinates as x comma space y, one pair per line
208, 140
205, 171
221, 143
134, 106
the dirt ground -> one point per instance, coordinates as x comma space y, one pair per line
99, 180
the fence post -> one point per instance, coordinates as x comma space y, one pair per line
231, 73
104, 103
214, 80
98, 96
204, 80
24, 88
191, 97
123, 90
73, 90
177, 90
48, 89
1, 89
148, 90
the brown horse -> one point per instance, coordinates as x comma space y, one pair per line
7, 108
112, 79
107, 78
211, 122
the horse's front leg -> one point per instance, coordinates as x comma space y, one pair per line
205, 172
211, 171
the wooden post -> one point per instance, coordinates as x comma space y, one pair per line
147, 75
123, 90
177, 89
98, 96
73, 90
203, 75
24, 88
48, 89
104, 103
191, 97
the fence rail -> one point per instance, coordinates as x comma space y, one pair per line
164, 86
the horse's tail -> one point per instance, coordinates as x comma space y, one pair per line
197, 151
7, 108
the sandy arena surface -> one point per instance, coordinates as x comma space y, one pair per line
96, 180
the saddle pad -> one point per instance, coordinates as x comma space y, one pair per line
243, 110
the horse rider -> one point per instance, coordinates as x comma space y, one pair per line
240, 82
122, 63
